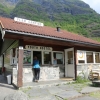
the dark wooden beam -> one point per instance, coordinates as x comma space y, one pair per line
75, 62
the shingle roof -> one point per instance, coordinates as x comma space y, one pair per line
10, 24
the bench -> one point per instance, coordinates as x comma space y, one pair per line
94, 76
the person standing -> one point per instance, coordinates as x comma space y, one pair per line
36, 69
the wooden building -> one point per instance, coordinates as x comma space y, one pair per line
21, 40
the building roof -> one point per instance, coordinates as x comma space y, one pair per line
10, 24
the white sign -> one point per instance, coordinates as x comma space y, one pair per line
28, 21
38, 48
81, 55
20, 47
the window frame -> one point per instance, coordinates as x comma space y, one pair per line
31, 56
94, 62
58, 52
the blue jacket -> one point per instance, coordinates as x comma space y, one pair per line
36, 64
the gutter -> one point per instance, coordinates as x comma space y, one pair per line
49, 37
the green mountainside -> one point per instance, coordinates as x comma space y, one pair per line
72, 15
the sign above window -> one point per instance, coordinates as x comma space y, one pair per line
28, 21
38, 48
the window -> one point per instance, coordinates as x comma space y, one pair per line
70, 57
57, 58
47, 57
81, 56
38, 55
26, 57
81, 61
97, 58
89, 56
12, 56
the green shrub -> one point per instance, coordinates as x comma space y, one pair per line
80, 79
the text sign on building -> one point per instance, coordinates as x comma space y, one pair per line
38, 48
80, 55
28, 21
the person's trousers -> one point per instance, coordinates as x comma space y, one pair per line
36, 73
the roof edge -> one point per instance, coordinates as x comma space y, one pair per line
55, 38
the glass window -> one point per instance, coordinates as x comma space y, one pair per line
81, 56
70, 57
81, 61
38, 55
97, 57
47, 57
57, 58
89, 56
26, 57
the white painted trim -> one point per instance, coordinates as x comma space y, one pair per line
58, 52
2, 31
86, 58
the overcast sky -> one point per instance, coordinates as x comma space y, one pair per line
94, 4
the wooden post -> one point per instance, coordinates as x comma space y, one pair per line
75, 62
20, 66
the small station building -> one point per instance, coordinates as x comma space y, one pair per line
61, 54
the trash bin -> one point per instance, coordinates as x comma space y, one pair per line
9, 79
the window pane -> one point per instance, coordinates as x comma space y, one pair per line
97, 58
38, 55
57, 58
70, 57
26, 57
81, 61
89, 56
47, 57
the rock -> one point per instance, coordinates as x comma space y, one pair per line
17, 96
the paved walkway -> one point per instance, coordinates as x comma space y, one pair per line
49, 92
5, 89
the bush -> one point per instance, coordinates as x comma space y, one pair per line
80, 79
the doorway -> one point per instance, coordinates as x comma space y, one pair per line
69, 63
38, 55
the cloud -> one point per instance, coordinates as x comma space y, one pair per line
94, 4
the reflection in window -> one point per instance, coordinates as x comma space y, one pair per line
97, 57
81, 61
26, 57
70, 57
47, 57
57, 58
89, 56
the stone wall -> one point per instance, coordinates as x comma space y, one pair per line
86, 68
46, 73
14, 76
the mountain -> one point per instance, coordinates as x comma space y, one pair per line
72, 15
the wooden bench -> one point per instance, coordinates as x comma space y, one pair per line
94, 76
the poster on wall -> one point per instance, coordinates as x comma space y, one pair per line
27, 57
81, 55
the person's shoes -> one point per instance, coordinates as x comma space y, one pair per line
37, 81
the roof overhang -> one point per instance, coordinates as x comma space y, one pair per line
49, 37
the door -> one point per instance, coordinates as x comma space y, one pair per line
69, 63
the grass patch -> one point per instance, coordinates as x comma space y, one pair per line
79, 79
26, 89
95, 94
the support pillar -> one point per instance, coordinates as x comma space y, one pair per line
75, 62
20, 65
